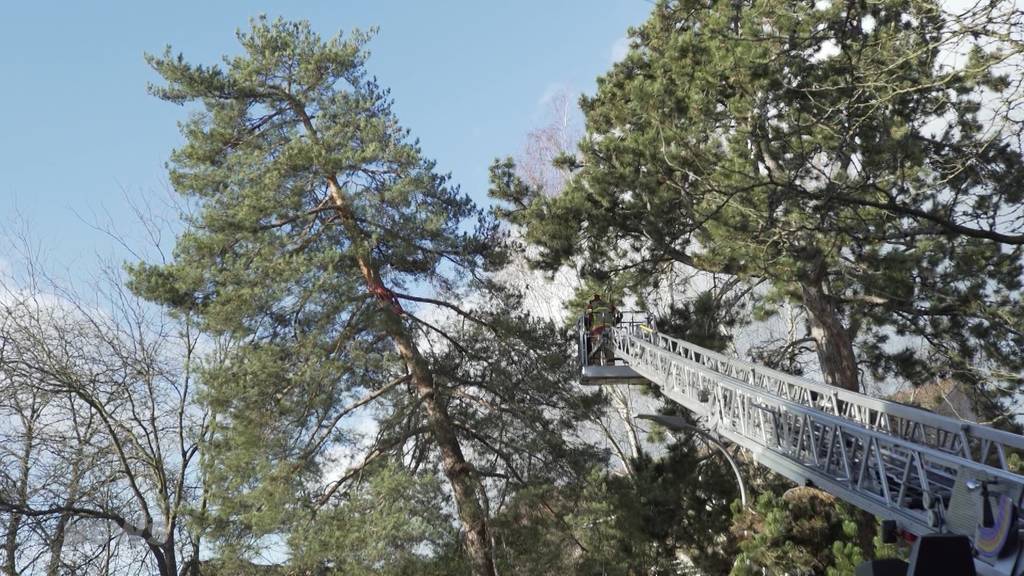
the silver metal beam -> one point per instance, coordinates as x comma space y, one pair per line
887, 458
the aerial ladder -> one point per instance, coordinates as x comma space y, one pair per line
942, 481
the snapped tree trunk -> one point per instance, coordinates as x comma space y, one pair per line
832, 339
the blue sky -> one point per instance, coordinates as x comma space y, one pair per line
80, 132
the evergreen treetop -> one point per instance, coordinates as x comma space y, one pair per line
835, 155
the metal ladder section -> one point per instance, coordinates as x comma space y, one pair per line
895, 461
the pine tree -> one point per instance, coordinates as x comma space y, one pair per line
832, 155
805, 531
350, 287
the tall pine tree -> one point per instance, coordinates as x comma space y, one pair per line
350, 284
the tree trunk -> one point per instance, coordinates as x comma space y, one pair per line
833, 340
170, 554
466, 486
57, 542
21, 497
165, 557
57, 545
627, 415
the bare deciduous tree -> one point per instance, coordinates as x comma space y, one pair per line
99, 469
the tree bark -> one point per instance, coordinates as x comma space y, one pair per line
832, 339
14, 524
466, 486
627, 415
170, 554
164, 555
158, 557
57, 542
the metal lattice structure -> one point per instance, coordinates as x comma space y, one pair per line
898, 462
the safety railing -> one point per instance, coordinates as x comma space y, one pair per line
895, 461
974, 442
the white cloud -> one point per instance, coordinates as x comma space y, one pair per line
619, 49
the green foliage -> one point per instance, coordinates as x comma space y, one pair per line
535, 532
677, 505
674, 506
702, 321
391, 525
309, 201
826, 152
805, 531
